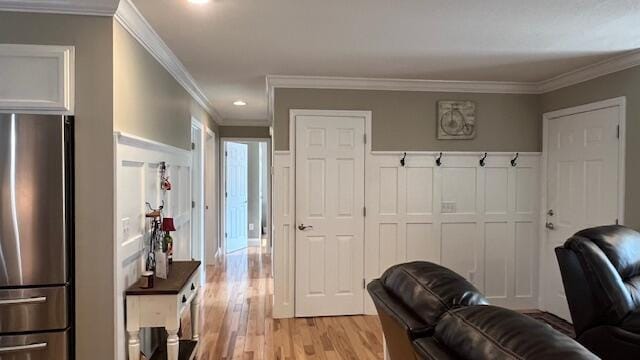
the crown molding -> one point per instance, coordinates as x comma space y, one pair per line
58, 7
590, 72
242, 122
353, 83
132, 20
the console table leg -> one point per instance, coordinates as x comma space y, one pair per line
173, 344
195, 316
134, 345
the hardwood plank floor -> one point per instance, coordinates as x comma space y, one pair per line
237, 322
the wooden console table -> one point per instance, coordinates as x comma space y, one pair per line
162, 306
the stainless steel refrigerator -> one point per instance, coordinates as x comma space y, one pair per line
36, 237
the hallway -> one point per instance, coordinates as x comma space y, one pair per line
238, 325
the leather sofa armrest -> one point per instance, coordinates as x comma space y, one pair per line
397, 311
611, 342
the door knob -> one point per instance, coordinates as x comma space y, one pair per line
303, 227
550, 212
549, 226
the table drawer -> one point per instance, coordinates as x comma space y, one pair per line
186, 294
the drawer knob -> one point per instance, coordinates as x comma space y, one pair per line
193, 287
184, 299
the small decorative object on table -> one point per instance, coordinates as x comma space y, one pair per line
147, 280
167, 241
456, 120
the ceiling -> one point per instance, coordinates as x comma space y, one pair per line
229, 46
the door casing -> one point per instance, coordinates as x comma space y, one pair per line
366, 115
546, 118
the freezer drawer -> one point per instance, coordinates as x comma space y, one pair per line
26, 310
42, 346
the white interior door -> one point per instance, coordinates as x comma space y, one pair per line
329, 215
236, 186
582, 187
211, 225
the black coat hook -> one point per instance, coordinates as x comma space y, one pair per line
482, 159
439, 160
514, 160
402, 161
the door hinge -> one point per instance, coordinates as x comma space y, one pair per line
226, 153
365, 138
364, 211
617, 222
193, 204
618, 131
364, 283
226, 194
225, 234
193, 146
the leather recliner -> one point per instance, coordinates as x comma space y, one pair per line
429, 312
410, 299
494, 333
600, 270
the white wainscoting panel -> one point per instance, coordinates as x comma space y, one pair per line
479, 221
482, 222
283, 235
138, 181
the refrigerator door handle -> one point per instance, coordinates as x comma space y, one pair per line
33, 300
19, 348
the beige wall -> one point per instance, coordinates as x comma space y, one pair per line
623, 83
244, 132
406, 120
94, 250
148, 101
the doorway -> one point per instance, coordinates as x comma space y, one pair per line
583, 183
245, 194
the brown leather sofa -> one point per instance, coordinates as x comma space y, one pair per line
429, 312
600, 270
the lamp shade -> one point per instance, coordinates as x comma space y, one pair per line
167, 224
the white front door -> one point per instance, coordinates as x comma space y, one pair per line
582, 187
236, 196
329, 215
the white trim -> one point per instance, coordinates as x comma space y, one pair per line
589, 72
354, 83
132, 20
59, 7
546, 117
144, 143
241, 122
457, 153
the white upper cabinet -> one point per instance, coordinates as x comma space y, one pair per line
37, 79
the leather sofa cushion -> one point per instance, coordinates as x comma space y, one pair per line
631, 322
620, 244
489, 332
429, 290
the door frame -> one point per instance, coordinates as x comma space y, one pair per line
211, 193
223, 187
293, 114
546, 118
197, 195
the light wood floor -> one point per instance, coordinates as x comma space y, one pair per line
237, 322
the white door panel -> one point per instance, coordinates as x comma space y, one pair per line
237, 196
329, 201
582, 187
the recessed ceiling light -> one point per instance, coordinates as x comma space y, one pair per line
198, 1
239, 103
